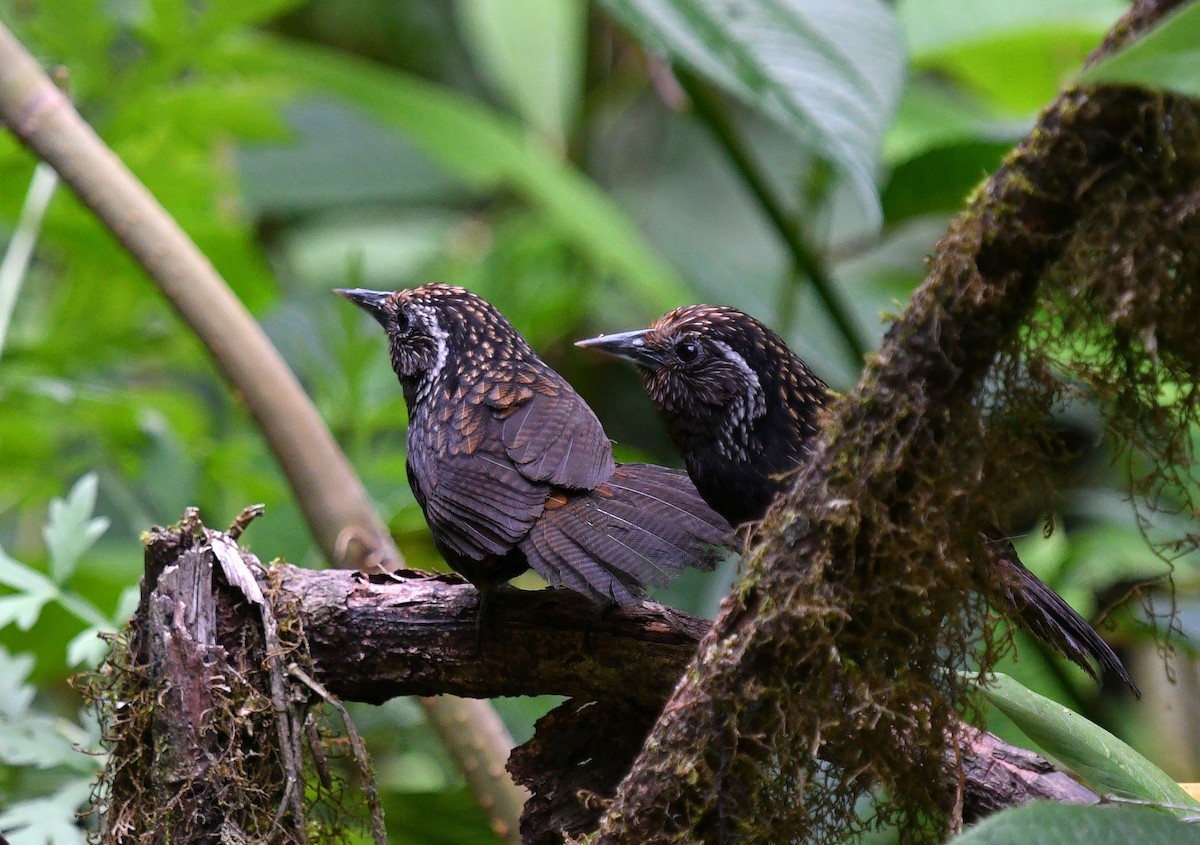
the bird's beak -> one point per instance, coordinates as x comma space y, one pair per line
630, 345
371, 301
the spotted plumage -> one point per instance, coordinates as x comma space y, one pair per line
512, 469
742, 409
739, 407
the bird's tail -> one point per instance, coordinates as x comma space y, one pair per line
1046, 615
640, 528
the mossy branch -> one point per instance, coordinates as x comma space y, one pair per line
188, 706
824, 678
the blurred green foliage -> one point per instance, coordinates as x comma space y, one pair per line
543, 155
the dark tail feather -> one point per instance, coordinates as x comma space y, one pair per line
642, 527
1046, 615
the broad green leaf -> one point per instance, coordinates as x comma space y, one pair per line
830, 72
532, 53
933, 27
1047, 823
1105, 763
934, 114
940, 180
71, 530
1166, 57
483, 148
1014, 55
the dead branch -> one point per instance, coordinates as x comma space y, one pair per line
371, 638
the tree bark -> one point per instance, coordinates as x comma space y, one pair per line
371, 638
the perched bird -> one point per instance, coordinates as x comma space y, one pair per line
742, 409
512, 468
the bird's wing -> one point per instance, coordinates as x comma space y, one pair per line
642, 527
476, 504
550, 433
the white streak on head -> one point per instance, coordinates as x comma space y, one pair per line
743, 409
429, 319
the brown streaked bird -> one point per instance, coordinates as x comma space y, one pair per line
512, 468
742, 409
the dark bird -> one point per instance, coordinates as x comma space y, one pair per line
512, 468
743, 409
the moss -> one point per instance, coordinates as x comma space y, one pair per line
243, 782
1076, 267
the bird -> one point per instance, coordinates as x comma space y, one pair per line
743, 410
512, 468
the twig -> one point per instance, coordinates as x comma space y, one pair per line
20, 249
360, 751
248, 515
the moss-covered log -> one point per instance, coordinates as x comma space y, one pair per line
194, 721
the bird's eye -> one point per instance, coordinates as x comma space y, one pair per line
402, 321
687, 351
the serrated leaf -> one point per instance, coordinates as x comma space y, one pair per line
1047, 823
830, 72
22, 610
86, 648
17, 575
48, 821
127, 603
1105, 763
1168, 56
18, 695
71, 530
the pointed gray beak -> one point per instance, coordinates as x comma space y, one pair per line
371, 301
629, 345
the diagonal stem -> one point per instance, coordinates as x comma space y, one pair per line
803, 257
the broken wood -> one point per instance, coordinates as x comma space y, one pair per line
371, 638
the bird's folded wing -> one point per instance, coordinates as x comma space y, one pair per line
642, 527
476, 505
551, 434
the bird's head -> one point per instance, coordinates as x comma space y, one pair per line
437, 330
714, 371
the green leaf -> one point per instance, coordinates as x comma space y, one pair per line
1014, 55
48, 821
830, 72
71, 530
23, 610
483, 148
531, 51
1167, 56
932, 27
20, 577
86, 648
34, 591
1104, 762
30, 738
940, 180
1047, 823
